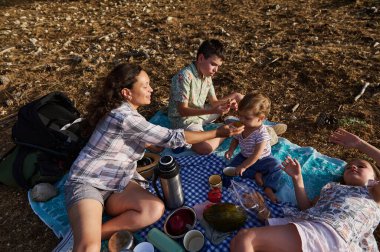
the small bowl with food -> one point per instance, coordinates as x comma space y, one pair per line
179, 222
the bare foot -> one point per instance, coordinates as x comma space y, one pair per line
259, 178
269, 192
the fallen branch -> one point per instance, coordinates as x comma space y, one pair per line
361, 92
7, 50
295, 107
8, 118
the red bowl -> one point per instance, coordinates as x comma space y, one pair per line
179, 222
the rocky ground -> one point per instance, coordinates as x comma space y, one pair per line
310, 57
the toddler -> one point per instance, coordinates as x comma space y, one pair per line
255, 159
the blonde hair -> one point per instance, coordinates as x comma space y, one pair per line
255, 102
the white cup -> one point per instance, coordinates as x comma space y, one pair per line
193, 241
144, 247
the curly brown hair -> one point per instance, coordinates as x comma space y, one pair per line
256, 102
109, 95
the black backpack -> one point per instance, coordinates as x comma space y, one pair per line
48, 138
50, 124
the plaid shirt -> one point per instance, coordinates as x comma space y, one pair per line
109, 159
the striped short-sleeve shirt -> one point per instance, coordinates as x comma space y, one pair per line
248, 144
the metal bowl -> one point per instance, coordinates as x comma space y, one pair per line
120, 240
179, 222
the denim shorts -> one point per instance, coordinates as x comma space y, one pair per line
74, 192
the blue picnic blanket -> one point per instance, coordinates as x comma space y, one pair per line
317, 169
195, 171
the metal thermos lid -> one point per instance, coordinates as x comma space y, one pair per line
167, 164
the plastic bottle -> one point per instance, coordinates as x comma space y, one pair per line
163, 242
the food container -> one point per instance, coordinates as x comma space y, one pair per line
121, 241
179, 222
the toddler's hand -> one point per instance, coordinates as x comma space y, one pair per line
240, 170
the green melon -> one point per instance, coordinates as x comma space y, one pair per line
225, 217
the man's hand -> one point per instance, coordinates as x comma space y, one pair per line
232, 103
221, 109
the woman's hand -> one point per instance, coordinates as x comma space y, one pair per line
292, 167
345, 138
228, 130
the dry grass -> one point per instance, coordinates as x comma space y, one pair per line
315, 53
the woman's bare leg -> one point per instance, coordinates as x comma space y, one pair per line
86, 222
134, 208
272, 238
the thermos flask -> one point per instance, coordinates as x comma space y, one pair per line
168, 173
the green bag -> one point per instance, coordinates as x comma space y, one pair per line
24, 167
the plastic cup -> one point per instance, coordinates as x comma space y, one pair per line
193, 241
144, 247
228, 175
215, 181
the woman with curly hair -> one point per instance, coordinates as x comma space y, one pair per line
104, 177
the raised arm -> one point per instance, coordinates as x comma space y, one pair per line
293, 168
349, 140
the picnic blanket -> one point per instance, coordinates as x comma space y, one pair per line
318, 169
